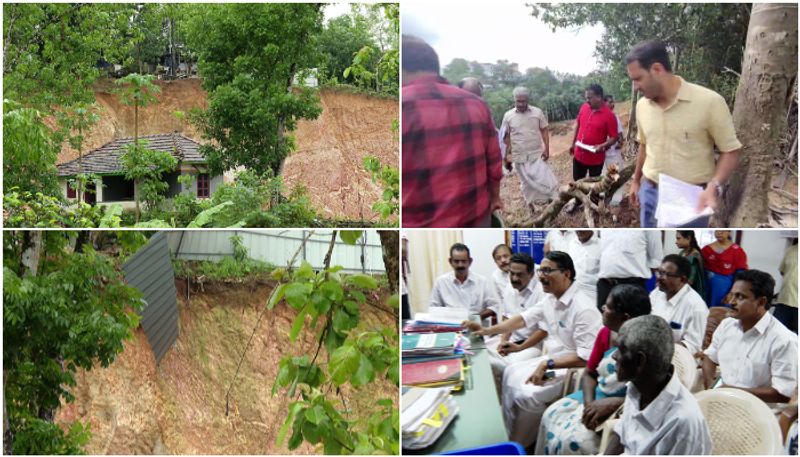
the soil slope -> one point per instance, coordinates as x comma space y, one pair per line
327, 161
178, 407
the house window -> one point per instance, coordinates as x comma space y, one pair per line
71, 192
203, 185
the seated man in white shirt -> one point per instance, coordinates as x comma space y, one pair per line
627, 257
462, 288
501, 254
754, 351
521, 294
585, 252
660, 416
568, 322
678, 303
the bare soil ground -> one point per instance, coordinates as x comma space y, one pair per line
178, 407
329, 154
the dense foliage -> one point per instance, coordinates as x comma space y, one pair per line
73, 313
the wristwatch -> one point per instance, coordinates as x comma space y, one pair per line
717, 185
551, 364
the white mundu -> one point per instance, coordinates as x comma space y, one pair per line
629, 253
516, 302
572, 323
476, 293
686, 313
764, 356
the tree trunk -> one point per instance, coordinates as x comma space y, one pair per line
8, 437
31, 251
390, 243
769, 70
172, 69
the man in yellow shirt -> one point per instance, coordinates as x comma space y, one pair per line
679, 123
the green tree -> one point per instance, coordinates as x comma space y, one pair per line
71, 311
456, 70
138, 91
341, 38
29, 152
146, 168
248, 56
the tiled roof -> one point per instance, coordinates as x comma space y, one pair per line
106, 159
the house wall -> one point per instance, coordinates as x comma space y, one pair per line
216, 181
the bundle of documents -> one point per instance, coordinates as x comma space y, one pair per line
435, 372
586, 147
443, 315
677, 203
430, 327
428, 344
426, 414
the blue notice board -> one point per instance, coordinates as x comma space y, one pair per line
530, 242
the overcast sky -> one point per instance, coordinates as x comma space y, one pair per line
335, 9
492, 30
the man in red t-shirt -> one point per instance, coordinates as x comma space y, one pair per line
451, 155
595, 132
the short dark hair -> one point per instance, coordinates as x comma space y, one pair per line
523, 258
681, 262
501, 246
459, 247
630, 299
761, 284
649, 52
563, 260
419, 56
608, 98
596, 88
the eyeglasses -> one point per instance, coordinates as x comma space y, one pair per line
662, 273
547, 271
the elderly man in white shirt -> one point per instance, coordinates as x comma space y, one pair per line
754, 351
660, 416
585, 252
627, 257
680, 305
568, 323
501, 254
462, 288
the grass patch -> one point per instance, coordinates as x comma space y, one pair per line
225, 270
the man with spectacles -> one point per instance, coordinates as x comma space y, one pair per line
567, 322
678, 303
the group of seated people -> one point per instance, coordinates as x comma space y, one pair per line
546, 324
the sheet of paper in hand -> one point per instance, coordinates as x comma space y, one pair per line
677, 202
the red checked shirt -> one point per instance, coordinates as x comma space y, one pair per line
451, 155
594, 128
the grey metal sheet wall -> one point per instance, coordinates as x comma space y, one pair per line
278, 247
150, 271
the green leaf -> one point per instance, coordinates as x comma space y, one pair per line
306, 271
315, 414
298, 324
343, 364
350, 236
321, 302
363, 281
333, 290
393, 373
343, 321
364, 374
357, 295
351, 307
276, 296
294, 408
297, 294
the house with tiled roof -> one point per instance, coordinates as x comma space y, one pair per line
111, 187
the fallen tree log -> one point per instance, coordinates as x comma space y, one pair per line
583, 190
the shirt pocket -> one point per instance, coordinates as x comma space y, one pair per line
756, 373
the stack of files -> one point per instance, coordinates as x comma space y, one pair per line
430, 327
443, 315
428, 344
437, 372
426, 414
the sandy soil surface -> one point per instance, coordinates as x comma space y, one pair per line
178, 407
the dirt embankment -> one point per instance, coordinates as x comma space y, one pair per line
178, 407
329, 154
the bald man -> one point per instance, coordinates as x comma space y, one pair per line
471, 84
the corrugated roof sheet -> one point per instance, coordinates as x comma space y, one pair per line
106, 158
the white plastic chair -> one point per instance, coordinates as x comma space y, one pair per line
685, 366
740, 423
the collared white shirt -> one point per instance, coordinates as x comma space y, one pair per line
671, 424
571, 322
516, 302
476, 293
501, 280
764, 356
559, 240
686, 314
586, 257
629, 253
